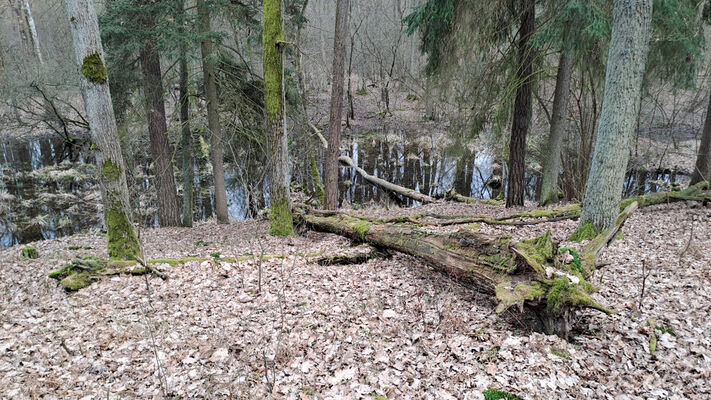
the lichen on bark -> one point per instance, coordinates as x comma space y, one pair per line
280, 219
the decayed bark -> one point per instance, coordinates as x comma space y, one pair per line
157, 131
334, 125
186, 138
551, 166
280, 218
702, 170
213, 118
522, 107
121, 236
527, 273
623, 83
383, 184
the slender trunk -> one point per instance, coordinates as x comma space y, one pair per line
702, 170
280, 218
186, 140
623, 81
551, 167
522, 107
334, 131
157, 130
121, 236
34, 38
213, 118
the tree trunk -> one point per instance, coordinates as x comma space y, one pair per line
30, 21
213, 118
280, 218
702, 170
334, 124
623, 81
121, 236
551, 167
528, 273
157, 130
522, 107
186, 139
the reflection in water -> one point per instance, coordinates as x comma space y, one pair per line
48, 186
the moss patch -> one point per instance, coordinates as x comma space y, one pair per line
29, 252
517, 295
538, 252
493, 394
94, 70
316, 180
122, 240
110, 171
585, 231
362, 227
576, 265
281, 222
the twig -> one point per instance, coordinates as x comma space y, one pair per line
645, 274
161, 373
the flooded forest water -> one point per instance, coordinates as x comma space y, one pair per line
48, 187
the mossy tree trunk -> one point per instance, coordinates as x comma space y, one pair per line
702, 169
334, 125
522, 106
158, 133
186, 137
551, 166
122, 239
280, 218
528, 273
213, 117
623, 82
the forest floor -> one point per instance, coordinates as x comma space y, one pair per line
388, 328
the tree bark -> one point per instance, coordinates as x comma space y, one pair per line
186, 139
385, 185
280, 218
213, 118
551, 167
121, 236
334, 124
522, 107
702, 170
157, 130
623, 81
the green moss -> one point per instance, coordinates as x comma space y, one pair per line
620, 236
474, 227
361, 92
653, 343
562, 353
316, 180
93, 69
362, 227
29, 252
77, 281
215, 255
110, 171
378, 397
62, 273
273, 38
666, 329
501, 262
576, 265
493, 202
175, 261
556, 294
122, 240
74, 248
538, 252
493, 394
585, 231
138, 271
281, 222
517, 295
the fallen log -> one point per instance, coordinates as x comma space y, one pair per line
385, 185
532, 273
452, 195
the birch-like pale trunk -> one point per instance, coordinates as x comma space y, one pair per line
33, 33
551, 166
334, 125
623, 82
280, 218
122, 240
213, 118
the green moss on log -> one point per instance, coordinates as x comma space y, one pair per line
122, 240
362, 227
29, 252
538, 252
493, 394
94, 70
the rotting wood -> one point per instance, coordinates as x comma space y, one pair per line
528, 273
385, 185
